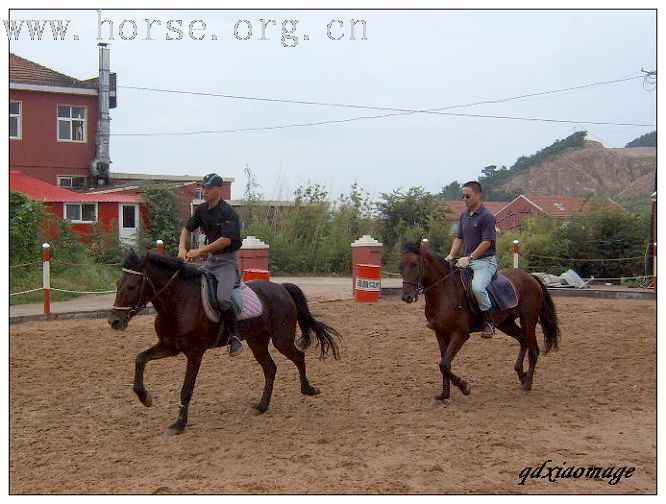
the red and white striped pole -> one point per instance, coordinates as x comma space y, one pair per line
46, 278
160, 247
516, 253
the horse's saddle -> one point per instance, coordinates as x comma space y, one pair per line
502, 293
245, 301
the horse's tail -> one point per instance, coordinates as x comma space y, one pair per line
325, 334
548, 321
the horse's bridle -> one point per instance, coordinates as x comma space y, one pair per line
419, 287
136, 308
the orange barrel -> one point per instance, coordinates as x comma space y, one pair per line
368, 283
256, 274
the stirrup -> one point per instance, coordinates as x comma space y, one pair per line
488, 329
234, 341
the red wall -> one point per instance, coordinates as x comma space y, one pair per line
107, 215
38, 152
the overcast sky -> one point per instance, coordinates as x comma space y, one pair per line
410, 60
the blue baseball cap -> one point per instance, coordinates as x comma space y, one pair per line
211, 180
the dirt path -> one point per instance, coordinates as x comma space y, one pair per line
76, 426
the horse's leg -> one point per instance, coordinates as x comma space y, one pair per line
193, 365
158, 351
259, 346
284, 342
533, 347
456, 341
443, 341
512, 329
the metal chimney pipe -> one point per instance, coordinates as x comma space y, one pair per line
99, 167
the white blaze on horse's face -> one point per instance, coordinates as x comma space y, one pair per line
410, 272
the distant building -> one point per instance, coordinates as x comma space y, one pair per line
53, 124
117, 213
510, 217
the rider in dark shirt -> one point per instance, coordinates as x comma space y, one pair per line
221, 225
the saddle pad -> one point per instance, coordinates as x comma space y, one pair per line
251, 305
503, 293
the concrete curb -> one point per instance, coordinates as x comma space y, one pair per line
71, 315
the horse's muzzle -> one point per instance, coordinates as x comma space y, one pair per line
116, 322
410, 298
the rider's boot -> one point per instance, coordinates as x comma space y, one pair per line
488, 325
231, 322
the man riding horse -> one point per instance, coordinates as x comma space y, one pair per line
221, 225
476, 231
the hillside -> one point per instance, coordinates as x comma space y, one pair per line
622, 173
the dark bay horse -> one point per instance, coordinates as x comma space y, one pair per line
451, 315
173, 288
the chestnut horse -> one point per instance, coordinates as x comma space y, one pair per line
450, 312
173, 288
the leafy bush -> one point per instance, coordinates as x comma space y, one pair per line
165, 222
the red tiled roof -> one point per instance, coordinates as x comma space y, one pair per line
566, 206
25, 71
39, 190
458, 206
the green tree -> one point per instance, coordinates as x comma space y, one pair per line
26, 233
164, 219
451, 191
647, 140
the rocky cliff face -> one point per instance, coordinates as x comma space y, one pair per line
592, 169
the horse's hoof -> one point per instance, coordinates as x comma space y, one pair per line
148, 400
254, 411
436, 401
526, 387
312, 391
466, 389
174, 430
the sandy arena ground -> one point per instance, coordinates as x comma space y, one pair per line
77, 427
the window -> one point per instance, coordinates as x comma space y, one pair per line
71, 123
15, 120
129, 216
81, 212
198, 193
71, 182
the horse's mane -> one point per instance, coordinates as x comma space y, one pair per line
173, 264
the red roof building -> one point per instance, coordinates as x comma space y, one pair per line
510, 217
53, 121
118, 213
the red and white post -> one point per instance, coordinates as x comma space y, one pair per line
516, 253
46, 278
160, 247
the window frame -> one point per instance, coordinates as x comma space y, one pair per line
80, 205
71, 177
71, 120
19, 118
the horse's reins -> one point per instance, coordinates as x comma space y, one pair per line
420, 289
133, 310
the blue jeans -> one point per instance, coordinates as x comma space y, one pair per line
484, 269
